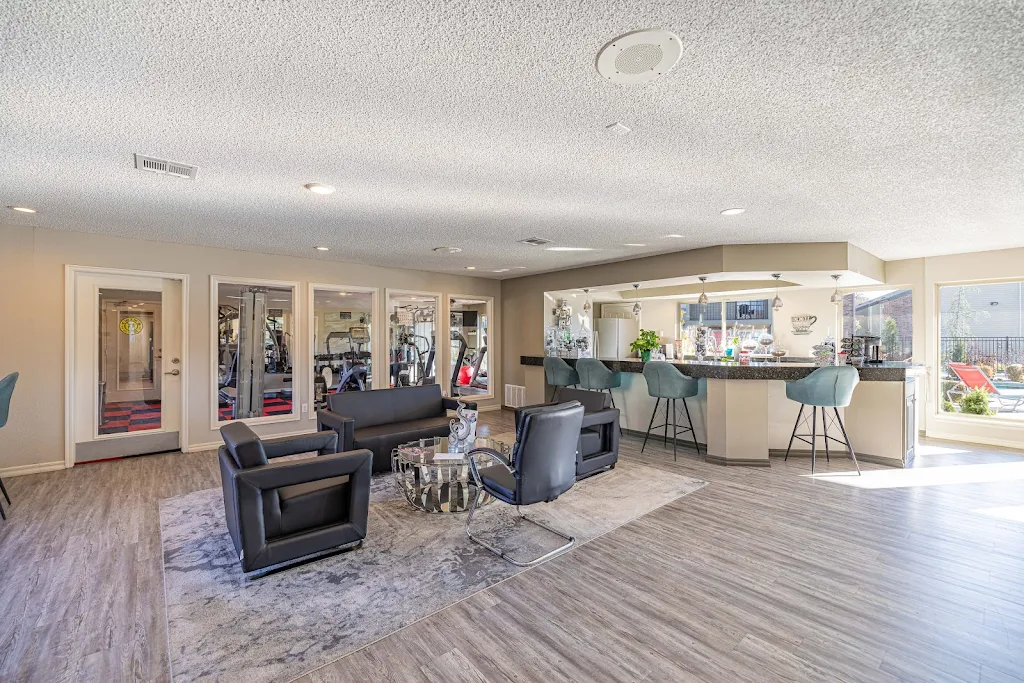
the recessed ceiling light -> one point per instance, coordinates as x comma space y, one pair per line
319, 188
322, 248
342, 293
470, 267
447, 250
633, 244
520, 267
569, 249
500, 270
733, 212
22, 209
667, 236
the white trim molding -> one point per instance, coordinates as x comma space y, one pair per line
34, 468
71, 271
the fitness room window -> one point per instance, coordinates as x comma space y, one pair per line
253, 350
470, 327
885, 319
412, 338
342, 337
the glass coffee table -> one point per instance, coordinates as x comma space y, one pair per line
436, 480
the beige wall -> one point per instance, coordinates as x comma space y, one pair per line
32, 265
805, 302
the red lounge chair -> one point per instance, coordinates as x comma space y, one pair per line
974, 378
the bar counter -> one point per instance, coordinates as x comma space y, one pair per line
742, 416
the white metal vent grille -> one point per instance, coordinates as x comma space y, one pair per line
165, 167
535, 241
515, 396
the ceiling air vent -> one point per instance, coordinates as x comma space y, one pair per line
535, 241
165, 167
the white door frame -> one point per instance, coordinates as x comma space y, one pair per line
70, 274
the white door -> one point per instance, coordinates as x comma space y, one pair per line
126, 372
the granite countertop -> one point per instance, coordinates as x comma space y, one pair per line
770, 370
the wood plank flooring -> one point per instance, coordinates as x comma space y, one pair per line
764, 574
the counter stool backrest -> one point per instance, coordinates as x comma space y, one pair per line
664, 380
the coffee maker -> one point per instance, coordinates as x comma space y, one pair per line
872, 348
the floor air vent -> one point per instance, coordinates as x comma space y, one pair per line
165, 167
515, 396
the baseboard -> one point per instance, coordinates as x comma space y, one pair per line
839, 453
489, 409
34, 468
719, 460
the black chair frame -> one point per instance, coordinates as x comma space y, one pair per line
503, 462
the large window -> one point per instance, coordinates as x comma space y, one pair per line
469, 319
253, 349
412, 338
342, 328
884, 318
981, 349
726, 320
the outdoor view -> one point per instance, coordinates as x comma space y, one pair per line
982, 349
888, 315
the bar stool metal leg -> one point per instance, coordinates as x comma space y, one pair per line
793, 435
849, 445
814, 436
4, 489
649, 426
693, 432
824, 430
675, 432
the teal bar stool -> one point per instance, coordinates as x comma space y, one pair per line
595, 376
664, 381
558, 373
828, 387
6, 390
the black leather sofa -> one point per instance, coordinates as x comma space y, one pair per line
280, 512
381, 419
598, 446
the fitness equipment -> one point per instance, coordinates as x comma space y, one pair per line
412, 351
258, 362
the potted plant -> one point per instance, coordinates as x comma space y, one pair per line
644, 344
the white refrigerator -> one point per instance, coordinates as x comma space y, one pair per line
614, 336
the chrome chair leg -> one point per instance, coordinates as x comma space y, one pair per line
571, 540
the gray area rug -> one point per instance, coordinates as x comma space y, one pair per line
223, 627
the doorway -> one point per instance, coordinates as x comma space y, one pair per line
126, 369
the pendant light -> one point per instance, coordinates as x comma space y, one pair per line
837, 298
703, 298
586, 304
777, 301
636, 291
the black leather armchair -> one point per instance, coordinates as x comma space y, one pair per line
382, 419
281, 512
542, 467
598, 446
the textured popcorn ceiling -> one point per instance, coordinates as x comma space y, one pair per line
896, 125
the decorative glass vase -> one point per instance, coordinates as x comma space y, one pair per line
645, 356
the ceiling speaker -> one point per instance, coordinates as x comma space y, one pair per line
639, 57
